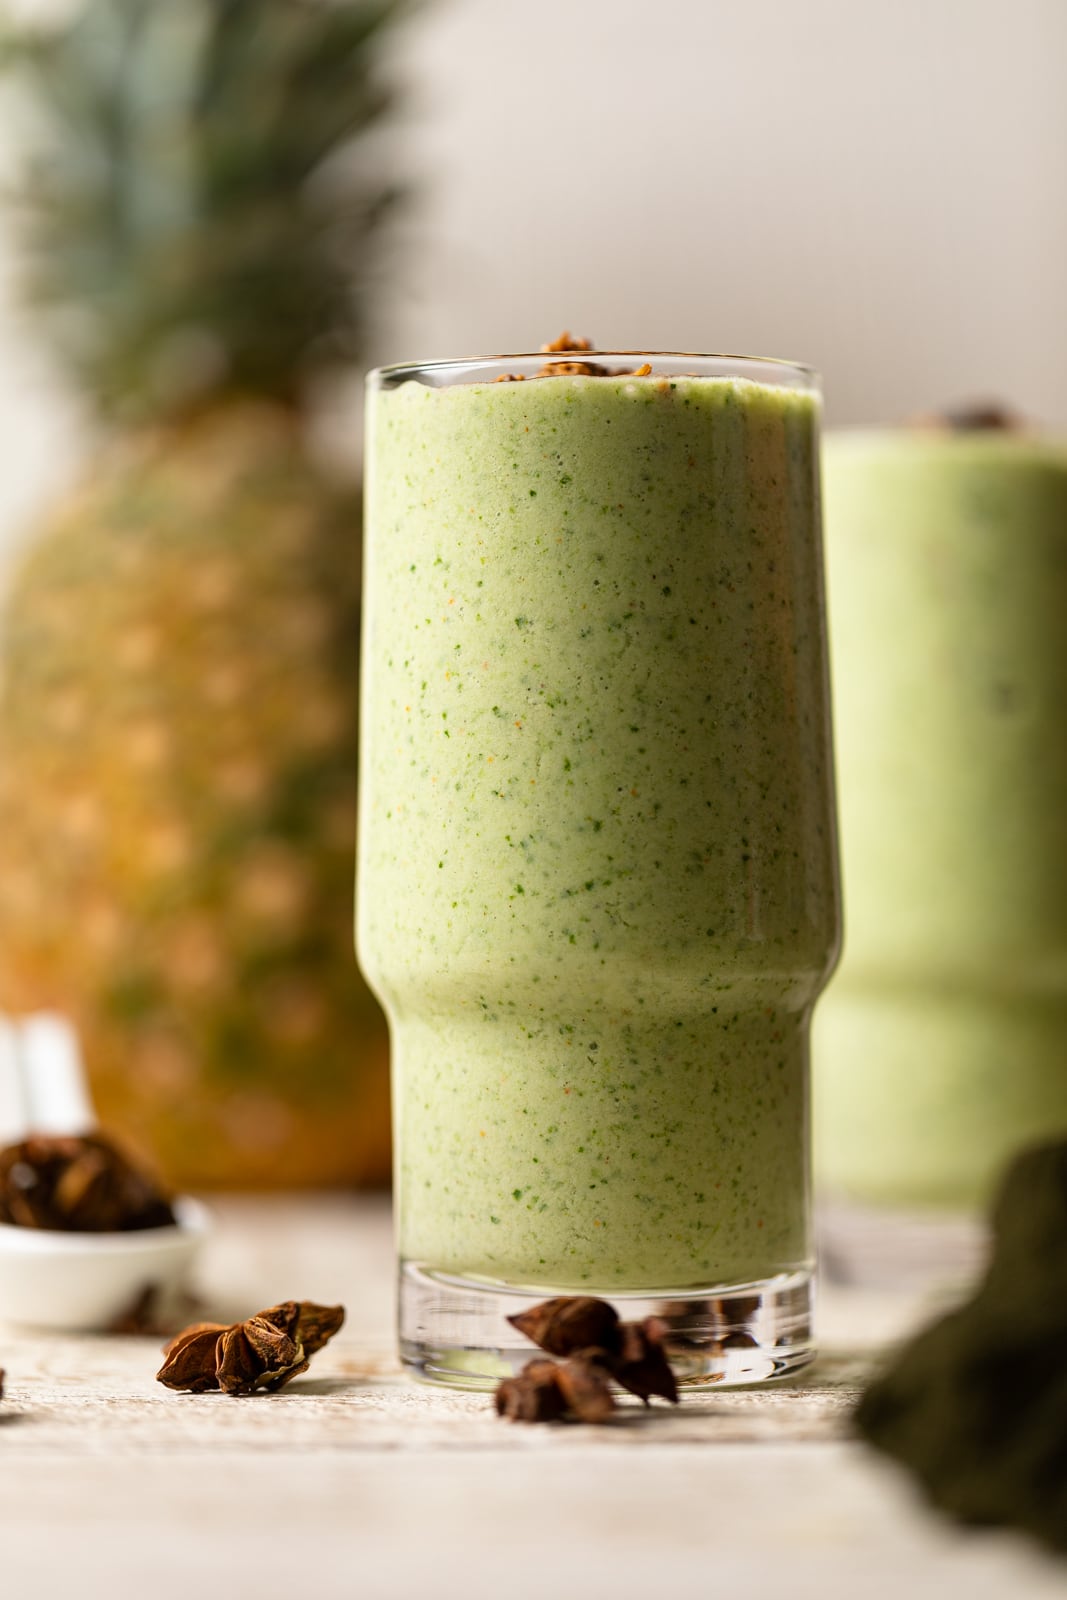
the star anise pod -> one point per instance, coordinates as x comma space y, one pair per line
601, 1347
641, 1365
570, 1323
546, 1391
306, 1323
585, 1386
533, 1395
78, 1185
265, 1352
2, 1375
192, 1358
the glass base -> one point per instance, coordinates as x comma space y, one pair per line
454, 1331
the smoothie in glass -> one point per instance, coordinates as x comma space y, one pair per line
941, 1045
597, 863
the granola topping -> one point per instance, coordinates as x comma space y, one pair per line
568, 344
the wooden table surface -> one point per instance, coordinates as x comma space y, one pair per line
355, 1482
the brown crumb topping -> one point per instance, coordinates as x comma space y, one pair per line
566, 341
978, 416
568, 344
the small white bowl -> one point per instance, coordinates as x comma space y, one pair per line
84, 1281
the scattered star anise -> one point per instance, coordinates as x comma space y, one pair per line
598, 1348
78, 1185
263, 1353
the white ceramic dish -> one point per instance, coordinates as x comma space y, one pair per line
84, 1281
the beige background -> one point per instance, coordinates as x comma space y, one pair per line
878, 187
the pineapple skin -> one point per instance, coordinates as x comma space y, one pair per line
178, 705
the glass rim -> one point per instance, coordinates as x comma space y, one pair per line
787, 373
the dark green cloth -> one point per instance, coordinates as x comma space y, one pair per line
976, 1405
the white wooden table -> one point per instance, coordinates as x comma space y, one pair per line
355, 1482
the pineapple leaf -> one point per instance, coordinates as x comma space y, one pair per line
199, 214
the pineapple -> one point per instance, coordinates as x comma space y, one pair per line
179, 644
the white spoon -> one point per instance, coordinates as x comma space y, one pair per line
64, 1280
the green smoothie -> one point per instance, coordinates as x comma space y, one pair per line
597, 862
941, 1045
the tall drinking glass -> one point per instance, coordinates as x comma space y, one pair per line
597, 866
941, 1047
